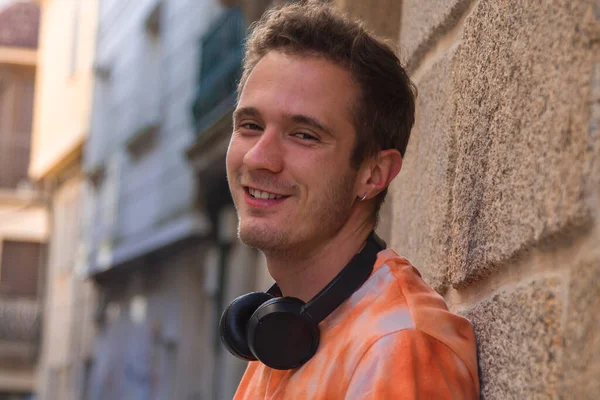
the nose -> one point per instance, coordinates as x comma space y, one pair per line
266, 153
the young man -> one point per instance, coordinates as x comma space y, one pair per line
322, 122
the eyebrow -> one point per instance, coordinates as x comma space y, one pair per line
310, 121
298, 118
246, 112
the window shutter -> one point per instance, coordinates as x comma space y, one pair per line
19, 269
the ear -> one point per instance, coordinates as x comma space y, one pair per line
379, 172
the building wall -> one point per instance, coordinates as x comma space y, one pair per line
150, 342
70, 302
23, 218
61, 123
498, 200
23, 221
142, 123
157, 337
382, 19
64, 82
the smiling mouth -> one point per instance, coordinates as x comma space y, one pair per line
259, 194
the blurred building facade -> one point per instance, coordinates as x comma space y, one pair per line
155, 252
62, 121
23, 222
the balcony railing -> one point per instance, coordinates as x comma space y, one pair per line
20, 324
220, 69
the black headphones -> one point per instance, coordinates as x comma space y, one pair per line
283, 332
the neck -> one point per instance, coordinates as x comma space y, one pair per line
304, 274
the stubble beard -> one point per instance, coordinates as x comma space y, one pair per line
321, 220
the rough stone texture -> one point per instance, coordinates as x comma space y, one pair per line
519, 340
383, 20
384, 224
581, 365
424, 22
594, 124
521, 89
421, 194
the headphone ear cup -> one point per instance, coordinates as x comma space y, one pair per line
234, 323
280, 335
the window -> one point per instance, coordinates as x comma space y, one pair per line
16, 107
19, 268
222, 51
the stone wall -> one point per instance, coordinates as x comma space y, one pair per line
499, 197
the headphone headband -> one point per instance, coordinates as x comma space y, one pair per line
256, 326
348, 280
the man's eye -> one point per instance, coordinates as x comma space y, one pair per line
305, 136
251, 126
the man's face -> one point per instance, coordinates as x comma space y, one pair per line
288, 162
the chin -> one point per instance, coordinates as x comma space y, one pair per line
261, 238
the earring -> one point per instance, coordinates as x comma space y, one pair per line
364, 197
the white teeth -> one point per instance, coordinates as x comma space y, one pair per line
263, 195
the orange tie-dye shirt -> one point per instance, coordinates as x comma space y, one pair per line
394, 338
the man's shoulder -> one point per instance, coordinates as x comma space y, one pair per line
378, 307
394, 325
396, 285
428, 309
396, 298
429, 314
